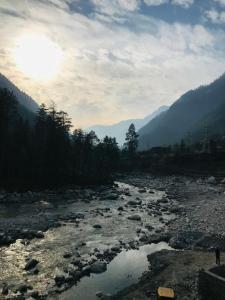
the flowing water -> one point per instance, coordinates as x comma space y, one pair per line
124, 270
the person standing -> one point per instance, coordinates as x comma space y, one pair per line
217, 252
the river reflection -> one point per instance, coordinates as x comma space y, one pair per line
124, 270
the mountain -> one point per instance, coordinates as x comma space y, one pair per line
119, 130
25, 100
191, 114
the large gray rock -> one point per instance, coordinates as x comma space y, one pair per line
211, 180
134, 218
134, 203
98, 267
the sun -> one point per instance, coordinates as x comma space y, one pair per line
38, 57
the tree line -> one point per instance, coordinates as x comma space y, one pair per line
47, 153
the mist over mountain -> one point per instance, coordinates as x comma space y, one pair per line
194, 113
119, 130
22, 97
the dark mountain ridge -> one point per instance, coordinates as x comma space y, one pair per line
186, 115
22, 97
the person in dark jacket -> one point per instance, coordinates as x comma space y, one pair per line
217, 252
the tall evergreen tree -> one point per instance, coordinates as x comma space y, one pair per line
131, 143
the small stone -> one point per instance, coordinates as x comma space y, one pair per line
31, 264
99, 294
97, 226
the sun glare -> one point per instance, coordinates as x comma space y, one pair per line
38, 57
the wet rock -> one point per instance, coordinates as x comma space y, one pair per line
211, 180
86, 271
5, 289
97, 226
76, 274
23, 288
60, 280
134, 217
222, 181
120, 208
77, 263
186, 239
34, 294
116, 248
143, 238
112, 196
31, 264
39, 235
98, 267
134, 203
176, 209
67, 255
149, 227
79, 216
138, 230
45, 204
142, 191
99, 294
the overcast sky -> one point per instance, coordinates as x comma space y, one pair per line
120, 58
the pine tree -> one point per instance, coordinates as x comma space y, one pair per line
131, 140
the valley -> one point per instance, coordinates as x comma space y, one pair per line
93, 227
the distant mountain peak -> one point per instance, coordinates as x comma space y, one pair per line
118, 130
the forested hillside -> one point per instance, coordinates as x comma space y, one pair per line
192, 114
47, 153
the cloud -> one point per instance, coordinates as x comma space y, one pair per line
155, 2
215, 16
183, 3
110, 70
118, 7
221, 2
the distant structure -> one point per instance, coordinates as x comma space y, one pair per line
212, 283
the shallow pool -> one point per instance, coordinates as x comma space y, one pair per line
124, 270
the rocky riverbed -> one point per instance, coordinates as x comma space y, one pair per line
51, 240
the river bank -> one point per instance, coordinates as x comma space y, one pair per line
80, 231
196, 232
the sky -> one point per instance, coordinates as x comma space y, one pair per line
103, 61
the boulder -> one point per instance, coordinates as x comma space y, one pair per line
60, 280
39, 235
211, 180
120, 208
133, 202
98, 267
134, 218
112, 196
